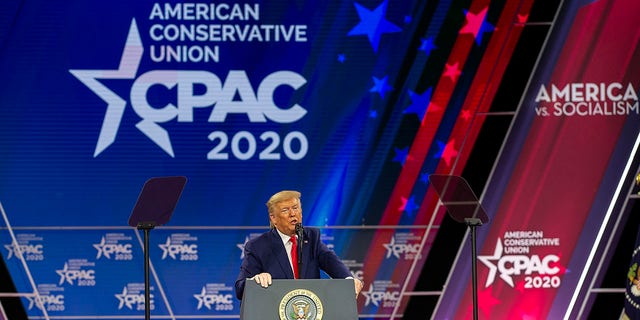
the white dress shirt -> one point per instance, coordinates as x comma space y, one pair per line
286, 240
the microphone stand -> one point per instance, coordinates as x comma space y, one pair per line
299, 232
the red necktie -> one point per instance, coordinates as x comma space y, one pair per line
294, 256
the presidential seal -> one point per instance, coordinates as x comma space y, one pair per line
300, 304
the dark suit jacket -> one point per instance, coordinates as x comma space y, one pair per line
266, 253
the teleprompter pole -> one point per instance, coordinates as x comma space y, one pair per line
146, 227
473, 223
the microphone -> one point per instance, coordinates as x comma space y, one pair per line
299, 233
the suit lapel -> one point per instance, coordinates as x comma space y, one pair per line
281, 253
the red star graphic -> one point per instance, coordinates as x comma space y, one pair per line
474, 22
449, 152
466, 115
452, 71
486, 302
529, 317
404, 204
522, 18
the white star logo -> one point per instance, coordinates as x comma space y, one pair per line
129, 62
121, 298
241, 247
201, 299
100, 247
391, 248
32, 301
367, 294
497, 254
10, 249
63, 274
165, 249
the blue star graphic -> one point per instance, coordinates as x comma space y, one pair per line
380, 86
373, 114
411, 206
441, 147
401, 155
373, 24
342, 58
485, 27
427, 45
420, 102
424, 177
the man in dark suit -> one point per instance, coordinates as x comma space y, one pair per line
269, 255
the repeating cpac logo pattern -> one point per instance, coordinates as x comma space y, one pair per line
28, 245
132, 298
402, 248
177, 248
75, 272
112, 249
212, 298
31, 252
381, 294
48, 302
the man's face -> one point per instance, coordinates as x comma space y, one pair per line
286, 214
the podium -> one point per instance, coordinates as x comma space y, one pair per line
307, 299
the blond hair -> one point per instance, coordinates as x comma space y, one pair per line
279, 197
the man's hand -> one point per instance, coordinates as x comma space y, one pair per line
264, 279
359, 284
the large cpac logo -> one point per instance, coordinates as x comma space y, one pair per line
510, 265
234, 95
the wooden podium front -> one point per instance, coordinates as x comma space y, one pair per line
309, 299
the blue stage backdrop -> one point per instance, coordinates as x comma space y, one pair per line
244, 98
354, 103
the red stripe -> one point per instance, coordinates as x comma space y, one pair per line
563, 159
478, 99
418, 151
